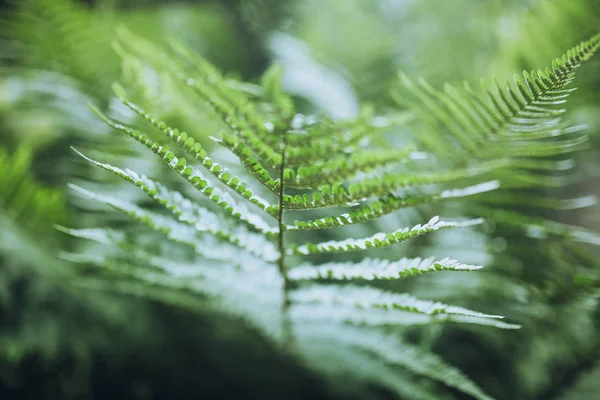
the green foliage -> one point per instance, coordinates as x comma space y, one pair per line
64, 36
28, 210
518, 122
512, 119
333, 317
25, 200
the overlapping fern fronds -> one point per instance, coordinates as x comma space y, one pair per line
518, 121
237, 246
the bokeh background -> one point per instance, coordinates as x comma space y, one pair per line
57, 56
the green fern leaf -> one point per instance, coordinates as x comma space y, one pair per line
369, 306
179, 205
477, 143
380, 240
390, 204
372, 269
504, 117
203, 222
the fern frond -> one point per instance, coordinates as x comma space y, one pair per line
367, 306
175, 296
64, 36
180, 165
273, 92
194, 149
376, 269
363, 297
179, 205
495, 138
391, 350
538, 149
261, 145
379, 186
540, 201
247, 159
337, 139
243, 112
208, 246
338, 169
379, 240
421, 363
336, 195
232, 106
185, 232
248, 135
190, 146
390, 204
515, 111
399, 315
99, 235
541, 228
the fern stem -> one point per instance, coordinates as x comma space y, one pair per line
281, 232
286, 329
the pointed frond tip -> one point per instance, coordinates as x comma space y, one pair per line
397, 314
380, 240
104, 236
372, 306
483, 124
377, 269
